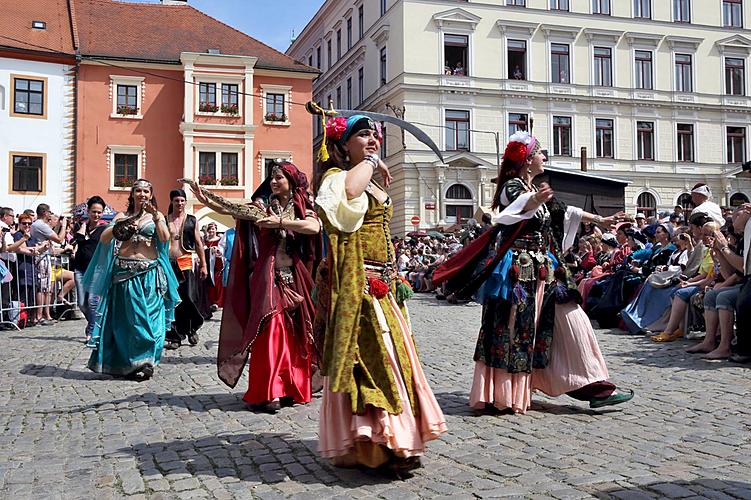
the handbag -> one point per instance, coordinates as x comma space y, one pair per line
664, 279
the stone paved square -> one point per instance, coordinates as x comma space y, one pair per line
70, 433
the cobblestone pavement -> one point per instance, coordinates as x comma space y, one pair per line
69, 433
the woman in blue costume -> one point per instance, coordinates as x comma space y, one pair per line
132, 275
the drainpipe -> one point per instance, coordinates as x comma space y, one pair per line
584, 159
75, 127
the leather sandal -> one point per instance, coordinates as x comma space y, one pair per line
667, 337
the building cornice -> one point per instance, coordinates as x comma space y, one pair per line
509, 27
678, 42
560, 31
595, 34
646, 39
734, 44
456, 18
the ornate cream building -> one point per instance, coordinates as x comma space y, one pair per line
655, 90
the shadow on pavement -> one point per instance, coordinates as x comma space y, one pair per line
188, 360
457, 404
194, 402
705, 488
48, 371
254, 457
79, 340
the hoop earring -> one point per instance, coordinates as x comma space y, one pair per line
529, 170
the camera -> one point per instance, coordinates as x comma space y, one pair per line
746, 166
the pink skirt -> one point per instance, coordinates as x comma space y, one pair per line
404, 434
575, 357
575, 361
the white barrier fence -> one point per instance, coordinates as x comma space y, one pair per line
37, 287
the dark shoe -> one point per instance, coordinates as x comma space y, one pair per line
740, 358
171, 345
270, 407
286, 401
614, 399
193, 338
143, 374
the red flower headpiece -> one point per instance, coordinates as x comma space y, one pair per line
516, 151
336, 127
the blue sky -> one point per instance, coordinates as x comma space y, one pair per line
270, 21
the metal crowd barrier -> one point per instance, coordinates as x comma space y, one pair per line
36, 282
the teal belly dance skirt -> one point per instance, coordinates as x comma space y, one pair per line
131, 326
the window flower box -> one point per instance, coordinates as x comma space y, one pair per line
273, 117
127, 110
207, 180
122, 182
207, 107
229, 181
230, 109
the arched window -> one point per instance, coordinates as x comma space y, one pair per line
458, 192
738, 199
646, 204
684, 201
458, 211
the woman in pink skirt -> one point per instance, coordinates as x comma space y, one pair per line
378, 410
534, 335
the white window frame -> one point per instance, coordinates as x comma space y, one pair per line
654, 69
650, 119
286, 90
218, 149
745, 75
651, 10
469, 128
112, 150
693, 71
469, 70
563, 35
725, 126
570, 116
694, 143
463, 27
218, 81
516, 30
592, 8
614, 119
613, 66
136, 81
516, 111
691, 12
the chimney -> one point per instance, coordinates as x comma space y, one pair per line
174, 2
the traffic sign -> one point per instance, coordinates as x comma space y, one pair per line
415, 220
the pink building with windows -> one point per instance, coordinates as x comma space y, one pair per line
165, 91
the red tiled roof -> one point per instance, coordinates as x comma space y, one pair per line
155, 32
16, 31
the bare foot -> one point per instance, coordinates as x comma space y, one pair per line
704, 347
719, 353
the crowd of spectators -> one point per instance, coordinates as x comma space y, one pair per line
35, 265
671, 276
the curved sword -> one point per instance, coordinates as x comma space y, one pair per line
412, 129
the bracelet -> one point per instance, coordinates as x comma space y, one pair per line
597, 219
373, 160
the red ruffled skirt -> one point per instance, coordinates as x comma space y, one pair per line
279, 366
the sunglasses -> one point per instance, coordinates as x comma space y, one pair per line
25, 223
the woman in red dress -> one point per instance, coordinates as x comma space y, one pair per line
215, 258
268, 311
